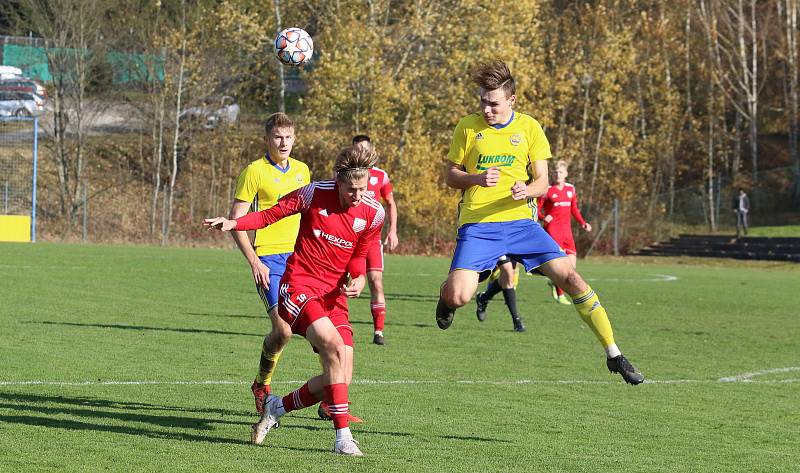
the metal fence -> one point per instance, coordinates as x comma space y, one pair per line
624, 226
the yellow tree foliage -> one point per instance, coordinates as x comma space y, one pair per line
607, 79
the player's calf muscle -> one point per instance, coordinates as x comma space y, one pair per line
573, 284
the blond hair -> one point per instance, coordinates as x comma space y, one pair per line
562, 164
493, 75
277, 120
354, 162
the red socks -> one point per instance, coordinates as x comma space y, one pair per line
378, 314
299, 399
336, 397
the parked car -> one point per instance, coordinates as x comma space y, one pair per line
20, 104
22, 84
214, 111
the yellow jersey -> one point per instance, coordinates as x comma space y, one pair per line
511, 148
262, 183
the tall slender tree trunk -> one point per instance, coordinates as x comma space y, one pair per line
212, 189
158, 151
753, 95
710, 161
596, 164
792, 95
584, 127
281, 76
173, 174
175, 141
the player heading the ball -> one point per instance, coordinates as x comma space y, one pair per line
338, 224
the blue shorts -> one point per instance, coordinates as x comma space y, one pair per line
479, 245
277, 265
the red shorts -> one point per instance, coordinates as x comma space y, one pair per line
375, 256
299, 308
563, 238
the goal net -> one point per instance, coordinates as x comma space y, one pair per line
18, 162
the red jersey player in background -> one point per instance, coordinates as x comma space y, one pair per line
556, 209
338, 224
378, 185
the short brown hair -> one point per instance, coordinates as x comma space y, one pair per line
354, 162
562, 164
277, 120
493, 75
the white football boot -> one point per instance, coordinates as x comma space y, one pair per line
347, 446
267, 421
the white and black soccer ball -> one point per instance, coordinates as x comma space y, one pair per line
294, 46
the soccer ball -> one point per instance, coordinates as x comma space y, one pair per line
294, 46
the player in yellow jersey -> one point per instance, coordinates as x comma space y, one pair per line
498, 159
261, 184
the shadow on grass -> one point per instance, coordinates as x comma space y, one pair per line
110, 412
103, 403
100, 414
474, 439
144, 327
325, 425
49, 422
388, 323
97, 414
433, 297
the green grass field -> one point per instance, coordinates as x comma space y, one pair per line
778, 231
141, 359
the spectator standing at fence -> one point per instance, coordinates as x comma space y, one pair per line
741, 205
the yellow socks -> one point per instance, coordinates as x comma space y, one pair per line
588, 306
266, 366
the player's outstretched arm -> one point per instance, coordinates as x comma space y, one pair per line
219, 223
456, 177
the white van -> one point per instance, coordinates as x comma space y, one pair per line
10, 72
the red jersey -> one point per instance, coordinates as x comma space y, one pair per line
560, 204
379, 184
332, 241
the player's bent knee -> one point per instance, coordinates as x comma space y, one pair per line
330, 352
459, 288
455, 300
281, 337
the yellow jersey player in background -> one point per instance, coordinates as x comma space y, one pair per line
498, 159
261, 184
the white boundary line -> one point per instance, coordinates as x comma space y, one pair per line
748, 377
741, 378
